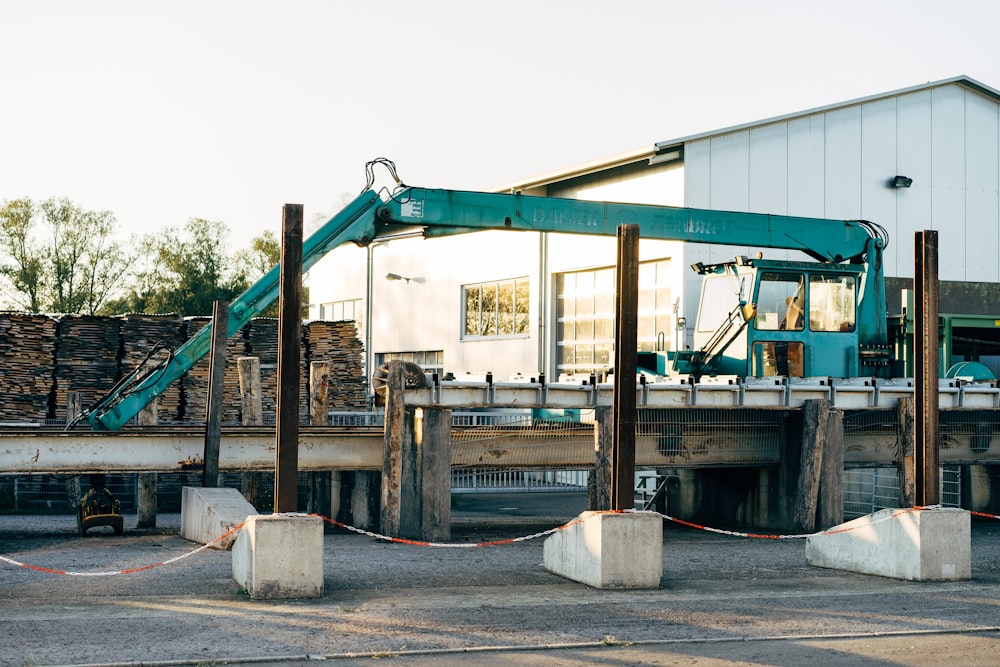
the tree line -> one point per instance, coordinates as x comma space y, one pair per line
57, 257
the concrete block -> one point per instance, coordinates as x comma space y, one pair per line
916, 545
207, 513
280, 556
609, 550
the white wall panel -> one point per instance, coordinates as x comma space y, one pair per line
769, 169
948, 179
878, 163
698, 174
982, 181
915, 160
730, 175
806, 165
843, 164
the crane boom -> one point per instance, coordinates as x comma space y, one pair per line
448, 212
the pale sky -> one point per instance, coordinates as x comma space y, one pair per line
160, 112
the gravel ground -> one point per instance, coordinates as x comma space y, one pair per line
421, 604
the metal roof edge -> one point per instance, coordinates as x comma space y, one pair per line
583, 169
963, 80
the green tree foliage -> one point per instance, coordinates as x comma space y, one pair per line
184, 271
59, 257
254, 262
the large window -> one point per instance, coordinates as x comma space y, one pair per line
432, 361
335, 311
497, 309
585, 317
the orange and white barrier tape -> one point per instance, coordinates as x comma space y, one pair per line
131, 570
492, 543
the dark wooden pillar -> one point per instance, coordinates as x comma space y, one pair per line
286, 467
626, 331
928, 486
216, 384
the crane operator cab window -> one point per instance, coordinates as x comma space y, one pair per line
831, 302
783, 304
780, 307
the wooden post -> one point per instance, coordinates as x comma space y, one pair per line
320, 495
286, 466
815, 414
603, 448
925, 328
830, 511
905, 448
253, 415
433, 445
626, 331
146, 481
73, 490
217, 375
394, 430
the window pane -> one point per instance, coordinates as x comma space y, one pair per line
489, 309
472, 309
780, 302
505, 309
522, 303
831, 303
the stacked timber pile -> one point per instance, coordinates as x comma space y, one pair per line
337, 343
194, 384
27, 346
153, 336
262, 342
86, 359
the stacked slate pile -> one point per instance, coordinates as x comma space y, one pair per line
337, 343
27, 348
86, 359
194, 383
153, 336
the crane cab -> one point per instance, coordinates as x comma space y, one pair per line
799, 319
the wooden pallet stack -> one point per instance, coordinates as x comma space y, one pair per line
337, 343
27, 348
142, 335
87, 351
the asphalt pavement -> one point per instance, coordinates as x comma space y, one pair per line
151, 598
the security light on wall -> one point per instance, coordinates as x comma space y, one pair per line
396, 276
900, 182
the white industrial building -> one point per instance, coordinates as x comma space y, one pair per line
525, 302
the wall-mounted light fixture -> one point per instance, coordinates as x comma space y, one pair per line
900, 182
396, 276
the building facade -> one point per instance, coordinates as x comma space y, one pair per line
517, 304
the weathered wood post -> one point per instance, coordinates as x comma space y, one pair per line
600, 497
925, 331
320, 492
286, 468
146, 481
626, 351
216, 384
251, 400
905, 456
815, 414
396, 429
73, 490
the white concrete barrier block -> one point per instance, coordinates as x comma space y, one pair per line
916, 545
280, 556
208, 513
609, 550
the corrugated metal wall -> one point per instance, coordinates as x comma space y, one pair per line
835, 164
